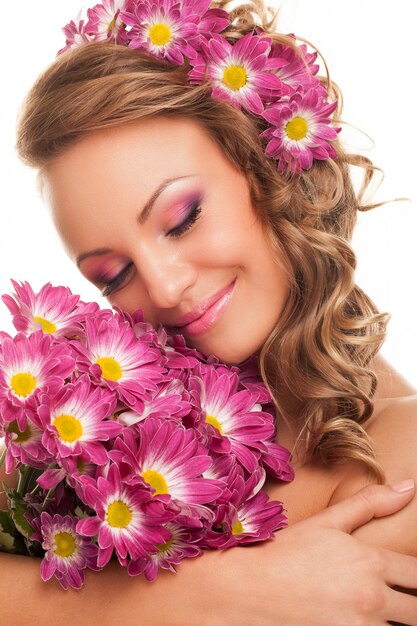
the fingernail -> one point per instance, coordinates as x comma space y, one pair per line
403, 486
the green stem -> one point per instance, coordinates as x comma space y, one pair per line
3, 456
35, 489
48, 498
20, 481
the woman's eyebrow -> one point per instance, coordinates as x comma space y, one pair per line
144, 214
85, 255
141, 218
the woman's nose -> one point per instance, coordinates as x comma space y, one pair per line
166, 277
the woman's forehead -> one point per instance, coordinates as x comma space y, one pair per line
123, 166
148, 149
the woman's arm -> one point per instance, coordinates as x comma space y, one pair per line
275, 583
394, 434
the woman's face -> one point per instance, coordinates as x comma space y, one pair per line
158, 218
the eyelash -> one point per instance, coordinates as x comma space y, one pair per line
179, 230
192, 217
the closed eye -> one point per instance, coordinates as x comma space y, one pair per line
111, 285
192, 217
179, 230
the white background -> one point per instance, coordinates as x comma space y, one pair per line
371, 53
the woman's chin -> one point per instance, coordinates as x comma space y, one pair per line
224, 351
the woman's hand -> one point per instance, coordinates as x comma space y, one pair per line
316, 574
313, 574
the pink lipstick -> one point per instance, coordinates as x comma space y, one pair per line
207, 314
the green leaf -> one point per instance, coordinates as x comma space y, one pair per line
8, 490
33, 548
21, 523
7, 523
6, 541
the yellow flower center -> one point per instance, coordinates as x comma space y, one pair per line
47, 326
164, 547
22, 436
65, 544
237, 528
160, 34
68, 427
110, 368
23, 384
210, 419
111, 25
118, 514
155, 480
235, 76
296, 128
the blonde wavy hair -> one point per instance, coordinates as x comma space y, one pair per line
315, 361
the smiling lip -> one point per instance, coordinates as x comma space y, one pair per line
207, 313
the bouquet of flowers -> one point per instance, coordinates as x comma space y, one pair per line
127, 443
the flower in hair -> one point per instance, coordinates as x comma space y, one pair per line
75, 33
104, 21
276, 81
169, 29
240, 73
301, 131
297, 68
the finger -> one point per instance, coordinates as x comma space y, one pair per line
401, 569
401, 608
371, 501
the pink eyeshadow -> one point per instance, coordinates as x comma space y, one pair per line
179, 209
106, 271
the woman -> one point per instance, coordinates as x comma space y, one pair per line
246, 260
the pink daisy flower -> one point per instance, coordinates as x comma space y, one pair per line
25, 446
248, 516
240, 72
61, 502
127, 518
226, 469
297, 70
69, 468
170, 460
114, 356
180, 546
3, 336
251, 380
75, 34
162, 28
175, 349
104, 21
301, 131
75, 421
55, 310
231, 420
167, 403
29, 365
143, 330
276, 460
181, 358
67, 552
209, 21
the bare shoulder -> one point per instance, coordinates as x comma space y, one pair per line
394, 435
393, 431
